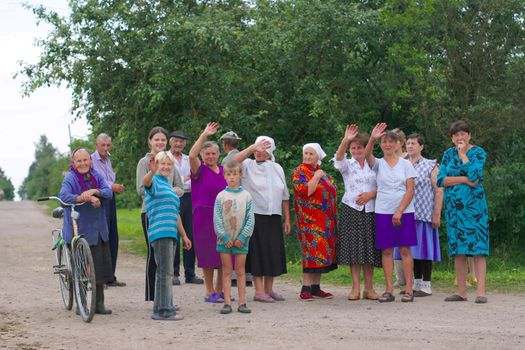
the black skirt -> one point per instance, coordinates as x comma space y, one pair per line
266, 254
102, 261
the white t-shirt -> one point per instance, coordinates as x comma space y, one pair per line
392, 185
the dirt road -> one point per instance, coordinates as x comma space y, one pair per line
32, 315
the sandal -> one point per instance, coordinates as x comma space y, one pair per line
264, 298
481, 300
408, 297
370, 294
214, 298
386, 297
355, 294
455, 297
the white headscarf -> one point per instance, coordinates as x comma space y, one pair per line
272, 146
317, 148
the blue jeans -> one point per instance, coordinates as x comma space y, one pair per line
164, 249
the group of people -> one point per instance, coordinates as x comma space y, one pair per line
232, 216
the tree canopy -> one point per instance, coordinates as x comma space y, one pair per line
6, 186
295, 70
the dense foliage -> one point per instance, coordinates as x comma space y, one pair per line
298, 71
6, 187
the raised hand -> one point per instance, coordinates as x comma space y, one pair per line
211, 129
351, 132
378, 131
262, 145
152, 165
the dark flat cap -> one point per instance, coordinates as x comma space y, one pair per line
179, 134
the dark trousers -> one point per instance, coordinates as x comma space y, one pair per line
188, 256
111, 217
423, 270
151, 266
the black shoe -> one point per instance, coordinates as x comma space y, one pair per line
249, 284
234, 283
116, 283
195, 280
176, 281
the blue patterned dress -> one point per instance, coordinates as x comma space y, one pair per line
466, 210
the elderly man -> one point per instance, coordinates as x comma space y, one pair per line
182, 164
102, 164
230, 142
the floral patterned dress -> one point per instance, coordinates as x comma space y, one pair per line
316, 219
466, 210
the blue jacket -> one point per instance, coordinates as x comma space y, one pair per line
92, 222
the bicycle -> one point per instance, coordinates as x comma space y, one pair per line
77, 275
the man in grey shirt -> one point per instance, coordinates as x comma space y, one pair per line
230, 142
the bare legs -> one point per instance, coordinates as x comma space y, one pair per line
208, 281
240, 260
388, 267
368, 271
480, 266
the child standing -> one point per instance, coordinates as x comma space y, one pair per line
233, 219
165, 227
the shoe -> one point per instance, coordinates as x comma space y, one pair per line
176, 281
234, 283
408, 297
222, 297
386, 297
306, 296
194, 280
101, 310
226, 309
249, 284
214, 298
177, 308
355, 294
243, 309
277, 296
370, 294
455, 297
264, 298
323, 294
158, 317
420, 293
481, 300
116, 283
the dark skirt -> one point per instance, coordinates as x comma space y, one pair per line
102, 261
356, 243
266, 254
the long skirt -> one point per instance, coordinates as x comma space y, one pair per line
357, 238
266, 254
205, 239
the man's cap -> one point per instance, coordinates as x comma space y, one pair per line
179, 134
230, 135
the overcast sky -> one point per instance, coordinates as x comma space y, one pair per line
47, 111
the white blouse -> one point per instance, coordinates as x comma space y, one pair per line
266, 183
357, 180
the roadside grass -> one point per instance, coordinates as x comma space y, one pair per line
506, 267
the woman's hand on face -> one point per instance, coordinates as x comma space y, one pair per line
351, 132
211, 129
186, 243
396, 218
378, 131
238, 244
229, 244
462, 148
262, 145
95, 202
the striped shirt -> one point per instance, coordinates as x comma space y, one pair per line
233, 216
162, 209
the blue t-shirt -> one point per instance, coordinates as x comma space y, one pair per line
162, 209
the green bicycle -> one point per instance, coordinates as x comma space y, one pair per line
74, 265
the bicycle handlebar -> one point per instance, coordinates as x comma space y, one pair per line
43, 199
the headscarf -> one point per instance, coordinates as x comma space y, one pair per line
317, 148
272, 146
81, 178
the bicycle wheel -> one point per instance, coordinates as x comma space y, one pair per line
84, 279
64, 275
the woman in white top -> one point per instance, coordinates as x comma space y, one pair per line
357, 229
264, 180
395, 225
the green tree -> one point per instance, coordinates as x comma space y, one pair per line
6, 186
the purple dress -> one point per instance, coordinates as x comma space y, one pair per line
205, 186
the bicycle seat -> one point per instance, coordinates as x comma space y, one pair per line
58, 213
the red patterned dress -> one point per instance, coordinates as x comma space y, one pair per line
316, 219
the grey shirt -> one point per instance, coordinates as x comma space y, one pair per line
229, 156
142, 169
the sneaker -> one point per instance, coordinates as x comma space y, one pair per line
323, 294
176, 281
243, 309
226, 309
306, 296
194, 280
158, 317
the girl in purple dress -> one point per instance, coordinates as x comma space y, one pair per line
207, 180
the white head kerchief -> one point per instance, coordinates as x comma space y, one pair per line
317, 148
272, 147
